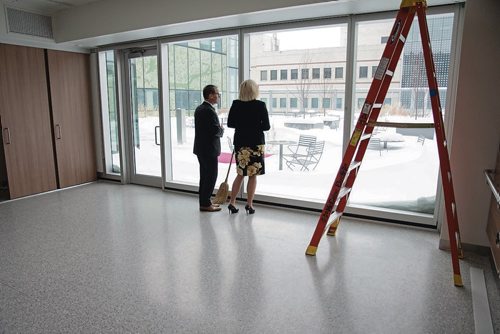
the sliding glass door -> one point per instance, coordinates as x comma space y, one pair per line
143, 116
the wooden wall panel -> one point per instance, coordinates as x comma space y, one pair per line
69, 77
25, 118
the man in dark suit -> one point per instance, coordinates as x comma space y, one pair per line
207, 134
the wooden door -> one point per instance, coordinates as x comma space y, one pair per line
25, 120
69, 80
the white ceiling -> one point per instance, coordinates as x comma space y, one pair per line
45, 7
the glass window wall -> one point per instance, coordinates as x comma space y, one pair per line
190, 66
401, 173
301, 72
109, 109
309, 114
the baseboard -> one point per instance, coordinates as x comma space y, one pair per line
477, 249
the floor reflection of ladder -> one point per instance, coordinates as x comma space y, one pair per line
351, 162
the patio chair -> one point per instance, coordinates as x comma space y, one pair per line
375, 144
306, 154
421, 139
299, 150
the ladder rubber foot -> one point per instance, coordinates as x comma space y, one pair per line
311, 250
457, 280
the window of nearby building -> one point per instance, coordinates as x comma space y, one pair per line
384, 39
316, 73
264, 99
339, 72
338, 103
274, 75
294, 74
304, 103
283, 74
274, 102
363, 72
263, 75
293, 102
388, 101
314, 102
326, 103
304, 73
327, 73
361, 100
374, 70
282, 102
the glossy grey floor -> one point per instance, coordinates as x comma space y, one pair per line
129, 259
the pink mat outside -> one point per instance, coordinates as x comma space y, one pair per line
225, 157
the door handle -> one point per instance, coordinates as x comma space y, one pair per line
58, 131
7, 131
156, 135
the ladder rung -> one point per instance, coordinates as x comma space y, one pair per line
402, 125
354, 165
365, 136
343, 192
332, 219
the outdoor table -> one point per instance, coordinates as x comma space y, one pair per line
389, 138
281, 143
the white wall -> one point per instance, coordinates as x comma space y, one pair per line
476, 129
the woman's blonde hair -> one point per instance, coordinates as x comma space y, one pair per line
249, 90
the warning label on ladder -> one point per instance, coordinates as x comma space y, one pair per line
382, 67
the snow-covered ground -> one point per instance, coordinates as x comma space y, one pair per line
403, 176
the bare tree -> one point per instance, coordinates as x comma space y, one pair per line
326, 91
303, 83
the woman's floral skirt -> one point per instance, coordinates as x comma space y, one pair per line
250, 160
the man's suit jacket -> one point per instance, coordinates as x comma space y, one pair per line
207, 131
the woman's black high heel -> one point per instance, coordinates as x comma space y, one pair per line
249, 209
232, 209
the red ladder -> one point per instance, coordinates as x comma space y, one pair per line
329, 219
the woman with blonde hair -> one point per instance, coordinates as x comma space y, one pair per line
249, 118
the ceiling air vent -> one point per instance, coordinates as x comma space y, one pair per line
27, 23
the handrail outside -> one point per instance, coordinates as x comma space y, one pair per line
494, 190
